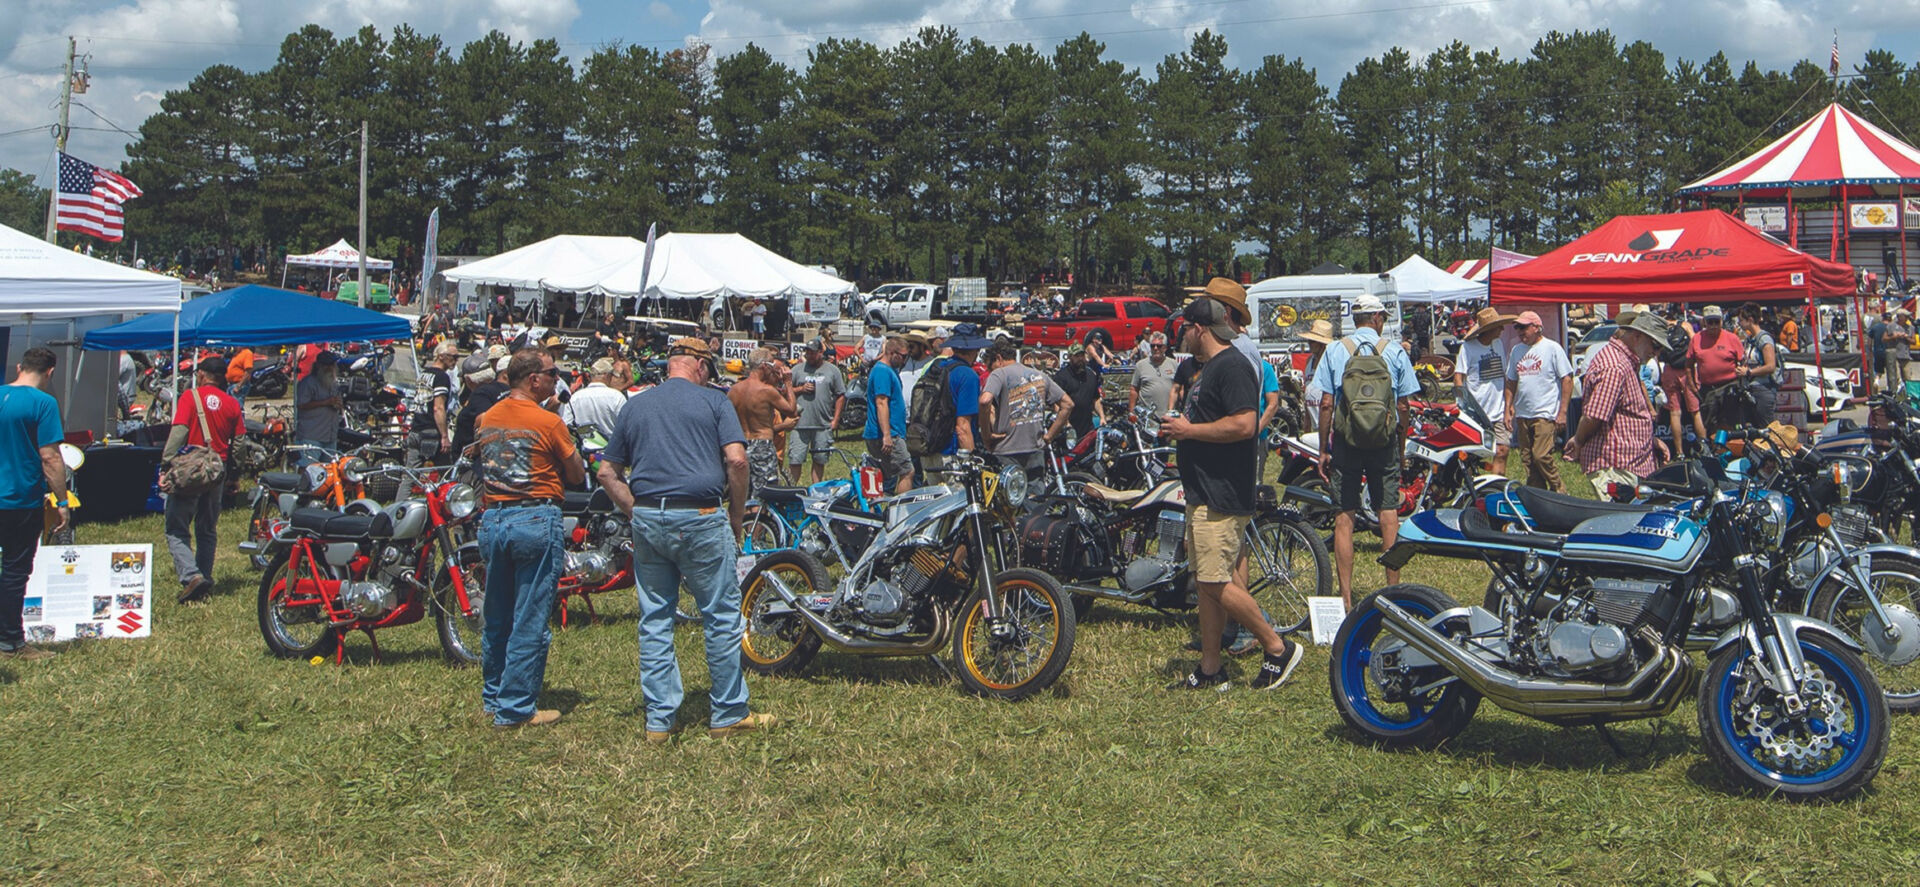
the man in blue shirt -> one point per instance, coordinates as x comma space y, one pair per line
886, 431
1379, 467
30, 467
964, 383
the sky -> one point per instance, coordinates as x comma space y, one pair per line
137, 50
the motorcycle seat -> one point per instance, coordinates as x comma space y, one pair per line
1551, 512
576, 502
1476, 528
782, 494
254, 426
283, 481
1117, 497
334, 525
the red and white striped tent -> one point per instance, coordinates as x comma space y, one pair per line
1476, 270
1836, 154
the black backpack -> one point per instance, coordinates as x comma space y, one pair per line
931, 417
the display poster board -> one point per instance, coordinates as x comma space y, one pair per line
1770, 219
1326, 614
1876, 215
1910, 213
1283, 318
89, 591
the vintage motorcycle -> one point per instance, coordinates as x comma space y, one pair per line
336, 572
1136, 539
934, 575
599, 550
1120, 454
263, 446
1594, 630
1446, 450
332, 481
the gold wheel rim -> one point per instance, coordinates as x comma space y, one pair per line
976, 620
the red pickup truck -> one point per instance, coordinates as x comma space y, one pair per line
1118, 322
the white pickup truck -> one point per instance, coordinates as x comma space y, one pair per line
895, 305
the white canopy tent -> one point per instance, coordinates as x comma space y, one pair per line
1418, 280
39, 281
703, 266
340, 255
562, 254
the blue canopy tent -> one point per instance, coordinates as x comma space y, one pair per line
250, 316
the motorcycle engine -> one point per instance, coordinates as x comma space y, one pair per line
590, 567
1590, 630
1147, 572
369, 600
890, 602
1809, 558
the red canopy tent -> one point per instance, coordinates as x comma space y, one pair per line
1699, 256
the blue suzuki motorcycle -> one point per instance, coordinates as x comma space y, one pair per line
1592, 627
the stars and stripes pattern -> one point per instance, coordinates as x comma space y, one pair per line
1833, 65
90, 199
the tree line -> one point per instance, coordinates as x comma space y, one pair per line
940, 156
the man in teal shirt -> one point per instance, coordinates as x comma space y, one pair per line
30, 467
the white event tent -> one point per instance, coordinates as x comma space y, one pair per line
39, 281
525, 267
340, 255
1418, 280
702, 266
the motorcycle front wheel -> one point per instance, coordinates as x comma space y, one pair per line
1830, 751
1024, 650
1895, 663
1391, 704
292, 630
460, 633
1286, 564
776, 640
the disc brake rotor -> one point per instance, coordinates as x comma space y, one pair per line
1787, 739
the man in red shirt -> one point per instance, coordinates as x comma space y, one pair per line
1615, 443
198, 513
1717, 351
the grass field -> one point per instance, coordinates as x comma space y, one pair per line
195, 757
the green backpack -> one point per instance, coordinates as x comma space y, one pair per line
1365, 416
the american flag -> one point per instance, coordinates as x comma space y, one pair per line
90, 199
1833, 64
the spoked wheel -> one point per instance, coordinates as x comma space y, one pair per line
460, 628
1829, 750
1286, 564
764, 534
1025, 649
1892, 647
292, 620
1379, 689
778, 640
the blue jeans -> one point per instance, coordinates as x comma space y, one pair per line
524, 557
304, 458
671, 546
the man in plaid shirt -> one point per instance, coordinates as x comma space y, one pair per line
1619, 446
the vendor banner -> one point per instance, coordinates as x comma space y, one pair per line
1281, 320
1877, 215
737, 349
1770, 219
89, 591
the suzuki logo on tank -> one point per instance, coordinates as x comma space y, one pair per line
1654, 247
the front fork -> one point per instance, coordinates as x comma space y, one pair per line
1781, 658
1887, 629
990, 587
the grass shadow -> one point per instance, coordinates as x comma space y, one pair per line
7, 676
1118, 614
1541, 745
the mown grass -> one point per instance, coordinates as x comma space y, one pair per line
195, 757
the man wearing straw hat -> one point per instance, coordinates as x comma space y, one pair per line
1482, 372
1318, 336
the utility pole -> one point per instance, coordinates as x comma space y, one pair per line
363, 214
60, 146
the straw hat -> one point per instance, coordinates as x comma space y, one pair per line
1321, 331
1489, 318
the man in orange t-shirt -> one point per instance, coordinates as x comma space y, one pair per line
240, 365
525, 457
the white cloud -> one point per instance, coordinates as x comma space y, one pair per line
661, 12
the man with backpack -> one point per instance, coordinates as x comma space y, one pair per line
946, 401
1363, 413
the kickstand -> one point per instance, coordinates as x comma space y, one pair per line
375, 644
1615, 744
943, 667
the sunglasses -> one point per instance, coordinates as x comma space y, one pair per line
552, 372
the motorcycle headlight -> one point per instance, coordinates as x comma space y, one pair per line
462, 501
1013, 480
355, 471
1848, 477
1770, 518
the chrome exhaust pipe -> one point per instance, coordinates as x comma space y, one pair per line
1511, 691
942, 627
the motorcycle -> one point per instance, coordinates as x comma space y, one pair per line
333, 481
264, 444
806, 517
1594, 629
370, 567
268, 379
1446, 450
1137, 539
934, 575
1121, 454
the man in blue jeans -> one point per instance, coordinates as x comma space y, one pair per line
686, 450
524, 453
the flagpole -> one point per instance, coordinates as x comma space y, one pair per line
60, 147
363, 218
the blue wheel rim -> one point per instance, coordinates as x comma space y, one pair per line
1852, 742
1354, 658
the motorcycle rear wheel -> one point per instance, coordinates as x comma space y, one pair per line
460, 635
1391, 716
779, 643
1838, 763
290, 632
1026, 649
1286, 554
1896, 582
764, 534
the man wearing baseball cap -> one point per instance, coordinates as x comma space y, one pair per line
1717, 352
1346, 466
1539, 386
1081, 382
819, 393
599, 403
1614, 442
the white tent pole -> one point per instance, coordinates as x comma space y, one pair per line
175, 360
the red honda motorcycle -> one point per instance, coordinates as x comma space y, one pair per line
369, 567
1447, 447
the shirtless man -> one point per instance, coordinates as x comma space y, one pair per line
761, 399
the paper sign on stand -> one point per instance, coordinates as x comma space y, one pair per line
737, 349
1327, 613
89, 591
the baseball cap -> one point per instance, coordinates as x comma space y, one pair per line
215, 365
1076, 348
553, 342
938, 332
816, 344
1528, 318
1713, 312
1369, 305
688, 346
1212, 315
495, 352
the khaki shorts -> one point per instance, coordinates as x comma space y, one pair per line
1214, 542
1605, 476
